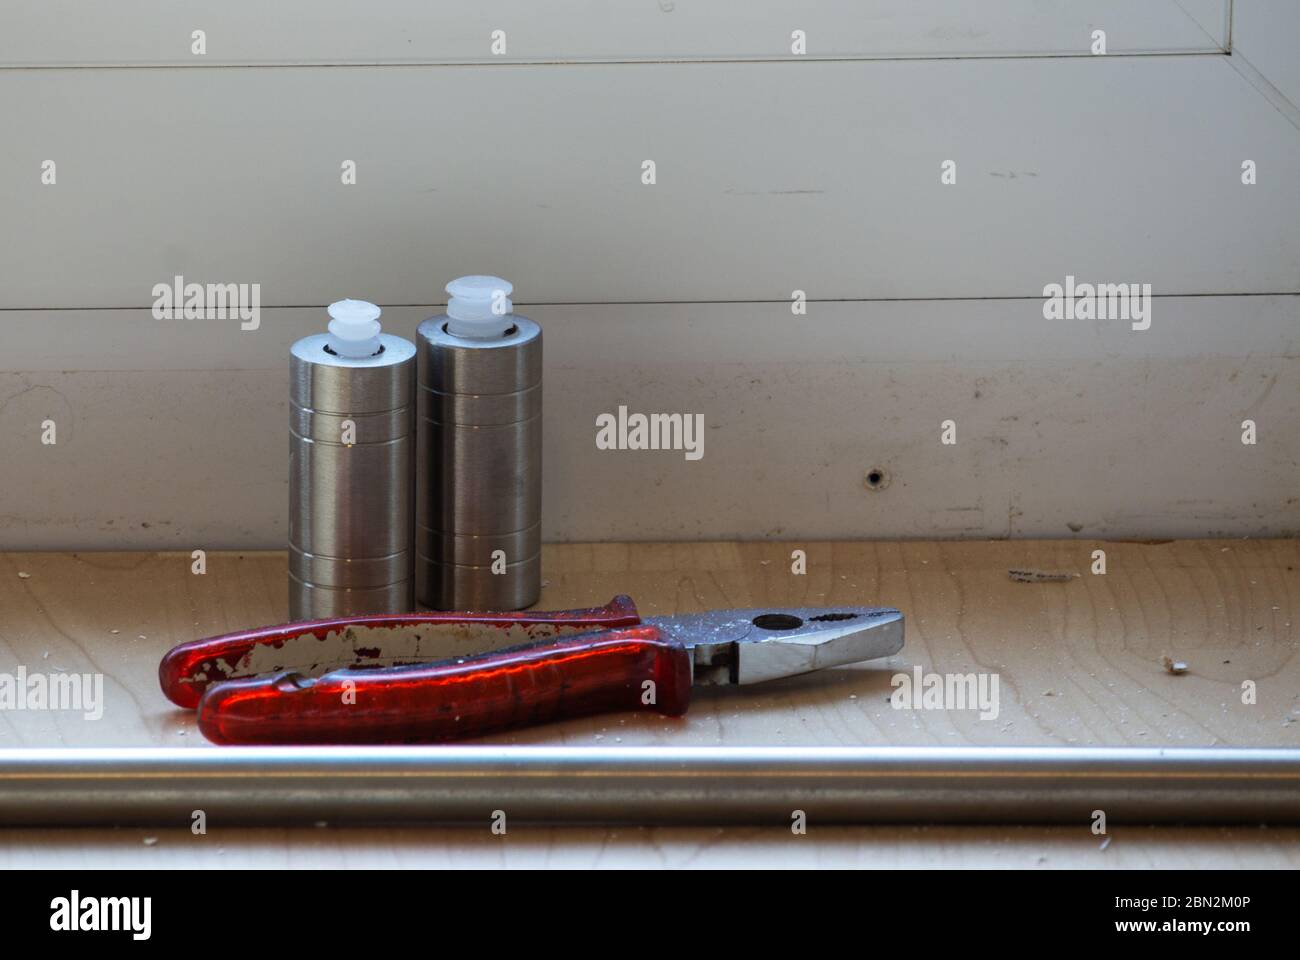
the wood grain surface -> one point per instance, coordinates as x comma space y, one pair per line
1079, 661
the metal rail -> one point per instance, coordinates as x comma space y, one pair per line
638, 785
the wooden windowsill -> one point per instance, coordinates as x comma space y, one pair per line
1079, 662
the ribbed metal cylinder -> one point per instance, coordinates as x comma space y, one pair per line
350, 503
479, 468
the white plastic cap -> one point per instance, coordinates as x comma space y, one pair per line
354, 328
480, 307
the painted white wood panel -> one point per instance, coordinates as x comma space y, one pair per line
172, 434
72, 32
1266, 33
771, 177
1243, 327
1213, 17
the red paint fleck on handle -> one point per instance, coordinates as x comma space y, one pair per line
188, 669
614, 670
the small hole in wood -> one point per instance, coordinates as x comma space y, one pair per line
877, 478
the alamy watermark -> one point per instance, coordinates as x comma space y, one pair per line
179, 300
654, 431
1101, 301
946, 691
83, 692
75, 913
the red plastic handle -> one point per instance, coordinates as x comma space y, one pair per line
380, 640
615, 670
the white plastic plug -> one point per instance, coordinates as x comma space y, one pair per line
354, 328
480, 308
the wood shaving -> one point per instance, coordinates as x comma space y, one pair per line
1040, 576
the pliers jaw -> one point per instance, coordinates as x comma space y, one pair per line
752, 646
